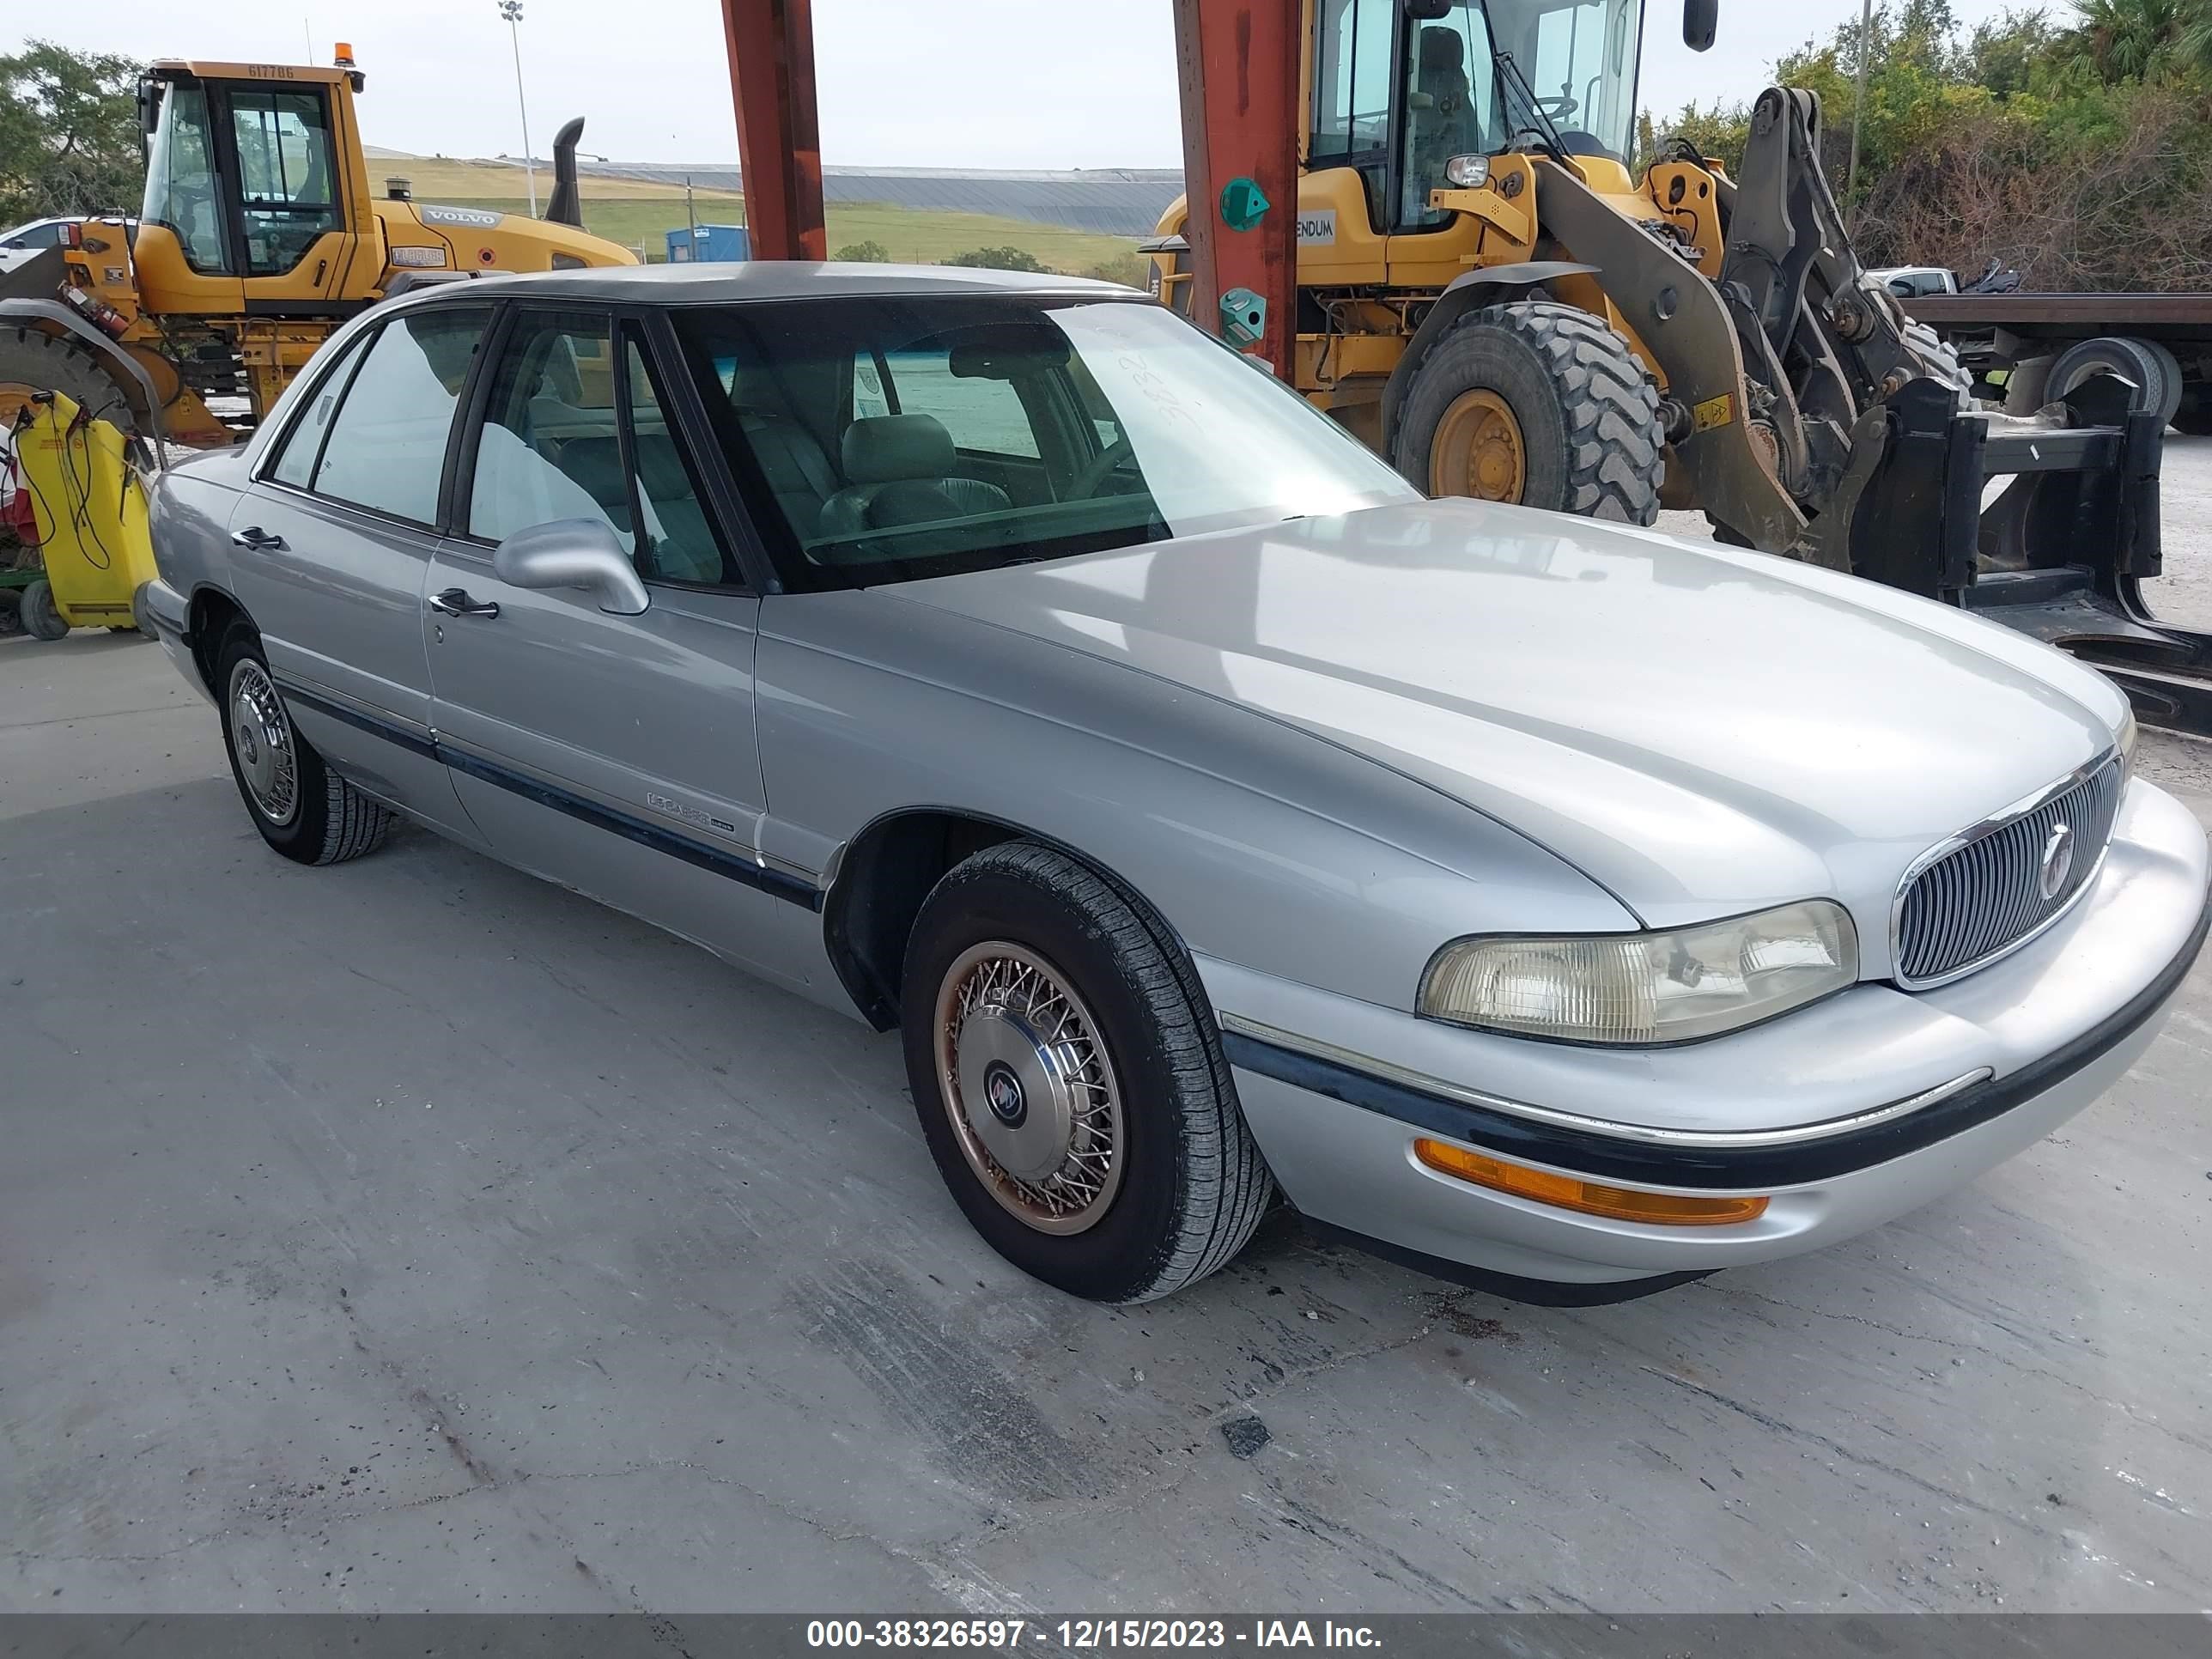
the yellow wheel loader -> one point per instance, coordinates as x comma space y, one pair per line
259, 236
1495, 295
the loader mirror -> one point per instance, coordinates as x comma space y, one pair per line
1430, 11
1701, 19
149, 106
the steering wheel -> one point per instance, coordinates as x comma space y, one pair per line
1559, 107
1086, 482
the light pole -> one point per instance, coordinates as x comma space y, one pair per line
1858, 101
512, 10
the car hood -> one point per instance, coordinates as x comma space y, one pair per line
1701, 730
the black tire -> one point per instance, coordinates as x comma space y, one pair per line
1588, 411
2148, 364
141, 618
42, 619
1192, 1184
11, 614
46, 362
329, 820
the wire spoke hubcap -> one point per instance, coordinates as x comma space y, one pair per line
1030, 1092
261, 739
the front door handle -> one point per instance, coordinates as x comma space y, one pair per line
259, 540
456, 602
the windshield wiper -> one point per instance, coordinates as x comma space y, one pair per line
1509, 80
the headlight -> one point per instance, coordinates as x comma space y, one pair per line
2125, 739
1467, 172
1646, 988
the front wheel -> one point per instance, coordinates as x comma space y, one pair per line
1536, 403
1070, 1082
302, 809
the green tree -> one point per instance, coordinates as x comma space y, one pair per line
870, 253
69, 132
999, 258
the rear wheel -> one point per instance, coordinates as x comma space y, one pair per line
1536, 403
1070, 1082
302, 809
2152, 367
42, 619
32, 362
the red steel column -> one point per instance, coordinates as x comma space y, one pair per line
1237, 61
771, 44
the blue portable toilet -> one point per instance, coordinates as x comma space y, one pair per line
704, 242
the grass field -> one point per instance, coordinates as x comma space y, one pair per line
639, 212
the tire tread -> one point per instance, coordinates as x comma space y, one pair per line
1226, 1184
1615, 448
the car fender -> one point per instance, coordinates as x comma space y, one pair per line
1256, 842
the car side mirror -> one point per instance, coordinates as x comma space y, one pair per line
1701, 19
580, 553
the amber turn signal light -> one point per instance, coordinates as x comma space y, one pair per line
1590, 1197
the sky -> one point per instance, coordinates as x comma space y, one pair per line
948, 83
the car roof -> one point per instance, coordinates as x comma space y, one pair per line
713, 283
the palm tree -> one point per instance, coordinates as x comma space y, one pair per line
2133, 39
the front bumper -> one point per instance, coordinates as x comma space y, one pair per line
1809, 1110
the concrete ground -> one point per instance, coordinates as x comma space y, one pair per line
413, 1234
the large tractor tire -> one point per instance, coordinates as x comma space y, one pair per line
32, 361
1535, 402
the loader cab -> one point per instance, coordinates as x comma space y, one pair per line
256, 189
1400, 86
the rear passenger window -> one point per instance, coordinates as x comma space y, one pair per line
303, 444
386, 448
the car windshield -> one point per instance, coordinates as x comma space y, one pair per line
888, 438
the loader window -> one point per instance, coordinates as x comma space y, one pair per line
1580, 57
287, 173
1353, 73
181, 191
1451, 103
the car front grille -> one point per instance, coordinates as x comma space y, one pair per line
2004, 881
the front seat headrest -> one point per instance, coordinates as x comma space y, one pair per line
1441, 50
887, 448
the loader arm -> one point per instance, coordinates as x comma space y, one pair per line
1682, 320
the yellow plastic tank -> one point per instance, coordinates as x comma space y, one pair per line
90, 515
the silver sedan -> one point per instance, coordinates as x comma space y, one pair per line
999, 659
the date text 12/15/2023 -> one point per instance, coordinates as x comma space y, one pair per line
1086, 1634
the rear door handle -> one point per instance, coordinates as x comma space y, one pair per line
255, 537
456, 602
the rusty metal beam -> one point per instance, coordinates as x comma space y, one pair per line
771, 46
1238, 63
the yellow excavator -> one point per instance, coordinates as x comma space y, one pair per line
1497, 295
259, 236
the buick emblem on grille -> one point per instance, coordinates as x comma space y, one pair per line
2057, 861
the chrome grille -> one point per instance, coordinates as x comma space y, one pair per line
1977, 900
